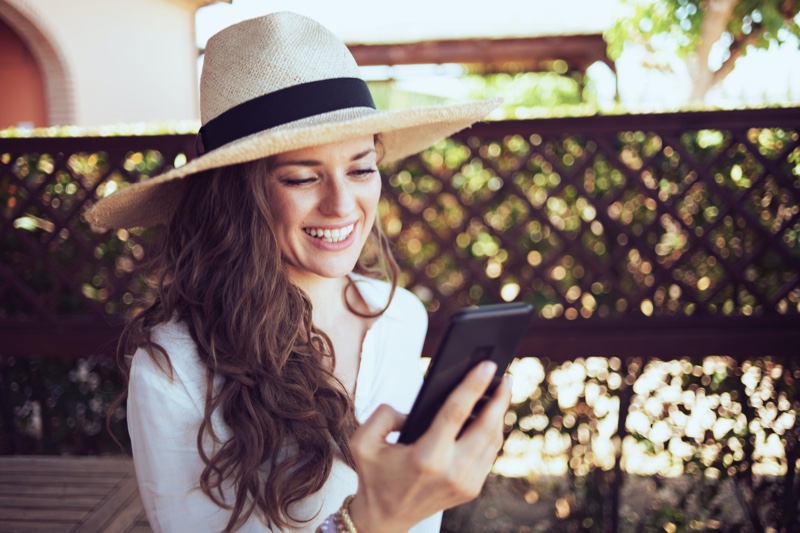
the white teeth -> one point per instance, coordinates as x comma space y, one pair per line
331, 235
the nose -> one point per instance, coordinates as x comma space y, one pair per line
339, 198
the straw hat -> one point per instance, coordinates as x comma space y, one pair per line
274, 84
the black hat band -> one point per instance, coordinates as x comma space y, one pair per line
281, 107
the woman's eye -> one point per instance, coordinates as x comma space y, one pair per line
364, 172
296, 182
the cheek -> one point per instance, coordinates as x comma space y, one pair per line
277, 208
286, 208
373, 196
370, 199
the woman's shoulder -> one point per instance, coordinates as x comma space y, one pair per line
171, 374
172, 356
172, 337
175, 335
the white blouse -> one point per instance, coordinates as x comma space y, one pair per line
164, 416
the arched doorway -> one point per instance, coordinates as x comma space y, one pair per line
22, 92
33, 62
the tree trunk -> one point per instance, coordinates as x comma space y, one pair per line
718, 14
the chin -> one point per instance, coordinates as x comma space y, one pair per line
329, 271
339, 272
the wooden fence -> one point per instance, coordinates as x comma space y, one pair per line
683, 227
638, 237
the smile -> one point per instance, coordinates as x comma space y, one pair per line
330, 235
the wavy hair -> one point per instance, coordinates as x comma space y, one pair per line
218, 269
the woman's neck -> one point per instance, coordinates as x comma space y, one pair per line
327, 298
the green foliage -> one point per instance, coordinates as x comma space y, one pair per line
60, 405
387, 95
674, 25
527, 89
732, 431
525, 94
712, 445
175, 127
582, 225
83, 271
509, 209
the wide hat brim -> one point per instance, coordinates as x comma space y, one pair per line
401, 133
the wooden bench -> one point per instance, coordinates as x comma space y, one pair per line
69, 494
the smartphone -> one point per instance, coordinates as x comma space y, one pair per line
473, 335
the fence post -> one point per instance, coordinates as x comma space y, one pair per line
7, 412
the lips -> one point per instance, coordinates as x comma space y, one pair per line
330, 235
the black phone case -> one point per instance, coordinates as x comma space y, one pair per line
472, 335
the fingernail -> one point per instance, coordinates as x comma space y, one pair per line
488, 368
509, 380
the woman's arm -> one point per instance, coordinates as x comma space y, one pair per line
163, 421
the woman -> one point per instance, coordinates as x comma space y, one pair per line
270, 339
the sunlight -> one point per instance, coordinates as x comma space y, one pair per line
661, 411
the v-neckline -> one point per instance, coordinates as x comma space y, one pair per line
358, 393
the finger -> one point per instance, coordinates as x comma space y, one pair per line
488, 426
458, 406
481, 467
377, 427
476, 455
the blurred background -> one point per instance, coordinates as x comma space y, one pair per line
640, 186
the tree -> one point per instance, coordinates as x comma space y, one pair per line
692, 28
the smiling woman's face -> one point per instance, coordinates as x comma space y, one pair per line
323, 200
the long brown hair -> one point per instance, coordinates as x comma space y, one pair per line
219, 271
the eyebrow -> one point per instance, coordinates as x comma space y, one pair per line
315, 163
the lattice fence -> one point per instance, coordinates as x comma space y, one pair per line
670, 215
640, 217
636, 237
53, 263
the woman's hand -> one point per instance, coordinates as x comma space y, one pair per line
400, 485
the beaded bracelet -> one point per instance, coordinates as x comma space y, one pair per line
340, 521
344, 514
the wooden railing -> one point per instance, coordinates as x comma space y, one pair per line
682, 223
638, 237
692, 219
